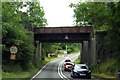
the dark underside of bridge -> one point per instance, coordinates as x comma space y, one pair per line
63, 37
63, 34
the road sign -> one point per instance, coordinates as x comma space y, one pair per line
12, 56
13, 49
66, 37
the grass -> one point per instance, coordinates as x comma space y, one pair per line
77, 61
26, 75
22, 74
106, 69
101, 75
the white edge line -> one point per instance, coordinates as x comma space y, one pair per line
39, 71
59, 71
62, 73
42, 69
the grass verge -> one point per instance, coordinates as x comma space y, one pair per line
26, 75
106, 69
77, 61
105, 76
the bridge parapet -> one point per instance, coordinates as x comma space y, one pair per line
49, 30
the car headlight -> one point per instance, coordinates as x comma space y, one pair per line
66, 66
89, 71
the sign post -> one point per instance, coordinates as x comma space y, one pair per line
13, 51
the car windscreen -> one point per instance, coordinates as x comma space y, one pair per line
67, 61
83, 67
80, 67
77, 67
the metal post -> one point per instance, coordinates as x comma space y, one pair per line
40, 51
66, 48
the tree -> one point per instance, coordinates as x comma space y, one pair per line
114, 33
104, 16
35, 14
14, 32
96, 13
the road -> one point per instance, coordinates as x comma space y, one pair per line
54, 70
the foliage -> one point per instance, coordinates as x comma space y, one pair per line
35, 14
94, 13
13, 32
114, 33
50, 48
77, 61
102, 16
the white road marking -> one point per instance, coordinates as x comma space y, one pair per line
42, 69
60, 68
60, 72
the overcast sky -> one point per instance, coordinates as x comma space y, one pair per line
58, 13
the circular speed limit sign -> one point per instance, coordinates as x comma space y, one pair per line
13, 49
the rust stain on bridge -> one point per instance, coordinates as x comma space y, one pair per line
52, 30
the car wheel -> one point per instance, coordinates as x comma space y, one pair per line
89, 77
72, 75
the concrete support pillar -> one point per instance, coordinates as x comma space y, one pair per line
84, 52
92, 51
37, 53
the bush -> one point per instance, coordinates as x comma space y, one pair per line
69, 50
13, 35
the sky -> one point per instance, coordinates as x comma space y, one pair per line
58, 13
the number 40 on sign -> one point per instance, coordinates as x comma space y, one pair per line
13, 49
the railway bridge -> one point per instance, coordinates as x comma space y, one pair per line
66, 34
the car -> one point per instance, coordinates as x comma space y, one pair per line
68, 65
81, 71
